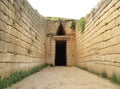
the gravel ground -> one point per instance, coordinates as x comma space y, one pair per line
64, 78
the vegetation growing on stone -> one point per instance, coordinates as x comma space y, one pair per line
115, 79
29, 51
106, 23
14, 78
73, 25
82, 24
103, 74
91, 71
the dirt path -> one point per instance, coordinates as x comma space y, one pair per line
64, 78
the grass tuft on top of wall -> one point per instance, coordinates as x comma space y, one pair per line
14, 78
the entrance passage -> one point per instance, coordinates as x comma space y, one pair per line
60, 54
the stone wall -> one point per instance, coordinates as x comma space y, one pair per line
22, 37
98, 47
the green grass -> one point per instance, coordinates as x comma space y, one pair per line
94, 72
14, 78
115, 79
91, 71
83, 68
103, 74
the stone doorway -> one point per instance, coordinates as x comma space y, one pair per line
60, 53
60, 46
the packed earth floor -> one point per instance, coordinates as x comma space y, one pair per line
64, 78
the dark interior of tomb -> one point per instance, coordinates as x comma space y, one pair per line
60, 54
60, 57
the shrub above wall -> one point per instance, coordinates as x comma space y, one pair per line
81, 24
73, 25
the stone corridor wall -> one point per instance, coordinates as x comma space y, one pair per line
22, 37
98, 47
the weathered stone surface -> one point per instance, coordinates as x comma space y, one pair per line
101, 39
19, 24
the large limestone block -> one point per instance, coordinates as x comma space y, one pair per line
4, 8
115, 58
4, 36
3, 46
116, 49
3, 26
5, 57
116, 31
105, 51
117, 21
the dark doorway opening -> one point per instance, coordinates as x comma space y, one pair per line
60, 54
